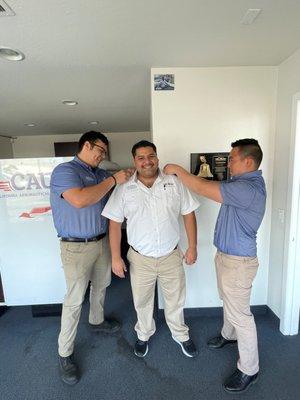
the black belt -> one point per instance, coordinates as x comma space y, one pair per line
82, 240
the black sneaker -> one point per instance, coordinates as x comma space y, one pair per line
188, 347
68, 370
107, 326
140, 348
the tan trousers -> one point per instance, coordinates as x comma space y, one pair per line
83, 262
169, 272
235, 276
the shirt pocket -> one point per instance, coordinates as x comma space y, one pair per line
132, 202
171, 199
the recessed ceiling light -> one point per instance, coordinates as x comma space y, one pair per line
5, 10
70, 102
94, 122
11, 54
30, 124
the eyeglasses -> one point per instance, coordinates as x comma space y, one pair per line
102, 149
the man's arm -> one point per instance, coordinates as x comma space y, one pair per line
191, 231
118, 265
209, 189
83, 197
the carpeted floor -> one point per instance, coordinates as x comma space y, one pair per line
110, 370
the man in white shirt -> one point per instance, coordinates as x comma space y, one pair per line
152, 203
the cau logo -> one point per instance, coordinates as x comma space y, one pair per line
28, 181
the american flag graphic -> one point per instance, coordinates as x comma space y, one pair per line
35, 212
5, 186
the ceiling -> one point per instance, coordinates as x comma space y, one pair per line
99, 53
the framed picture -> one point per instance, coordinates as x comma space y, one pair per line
164, 82
70, 149
211, 166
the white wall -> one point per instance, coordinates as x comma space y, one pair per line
6, 150
210, 108
288, 85
43, 146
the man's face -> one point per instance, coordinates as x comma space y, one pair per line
146, 162
236, 164
96, 152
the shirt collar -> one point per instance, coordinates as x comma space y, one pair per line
159, 178
77, 160
247, 175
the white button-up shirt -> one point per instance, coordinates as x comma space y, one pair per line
152, 213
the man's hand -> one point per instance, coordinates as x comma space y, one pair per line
190, 256
171, 169
119, 267
123, 175
201, 186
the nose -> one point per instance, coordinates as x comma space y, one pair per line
148, 161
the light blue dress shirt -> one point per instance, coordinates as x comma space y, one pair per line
240, 215
70, 221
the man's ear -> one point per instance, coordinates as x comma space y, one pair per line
250, 162
87, 145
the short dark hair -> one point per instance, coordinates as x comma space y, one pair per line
91, 137
142, 143
249, 148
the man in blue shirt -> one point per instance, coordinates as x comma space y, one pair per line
78, 194
243, 200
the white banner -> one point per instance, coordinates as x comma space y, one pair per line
30, 262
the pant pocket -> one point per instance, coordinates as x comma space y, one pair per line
73, 260
246, 273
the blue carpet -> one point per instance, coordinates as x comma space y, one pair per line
110, 370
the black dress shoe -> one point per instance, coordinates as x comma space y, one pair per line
239, 382
218, 342
68, 370
107, 326
140, 348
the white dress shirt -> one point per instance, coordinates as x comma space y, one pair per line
152, 214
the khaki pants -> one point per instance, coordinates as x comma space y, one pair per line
83, 262
235, 276
168, 270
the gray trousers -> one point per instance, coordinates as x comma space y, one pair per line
83, 262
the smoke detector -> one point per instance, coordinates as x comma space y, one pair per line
250, 16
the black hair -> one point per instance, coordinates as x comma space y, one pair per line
249, 148
142, 143
91, 137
